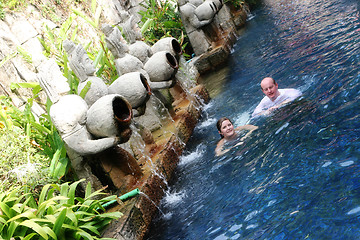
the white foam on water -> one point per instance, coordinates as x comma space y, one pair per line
242, 119
251, 215
207, 123
208, 106
270, 203
347, 163
172, 199
221, 237
236, 236
193, 156
326, 164
167, 216
251, 226
214, 231
353, 211
282, 127
235, 227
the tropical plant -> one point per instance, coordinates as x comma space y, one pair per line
41, 134
56, 214
161, 19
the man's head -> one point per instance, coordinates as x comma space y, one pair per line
270, 88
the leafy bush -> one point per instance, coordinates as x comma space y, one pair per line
161, 19
56, 214
37, 142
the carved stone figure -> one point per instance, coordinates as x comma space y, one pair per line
132, 31
192, 24
84, 69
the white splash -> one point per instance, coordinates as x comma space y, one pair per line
347, 163
172, 199
251, 215
270, 203
193, 156
353, 211
221, 237
326, 164
207, 123
252, 226
242, 119
282, 127
235, 227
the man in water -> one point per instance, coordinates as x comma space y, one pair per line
274, 97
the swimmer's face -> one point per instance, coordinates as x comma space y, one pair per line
227, 129
270, 88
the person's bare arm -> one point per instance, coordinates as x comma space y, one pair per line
248, 127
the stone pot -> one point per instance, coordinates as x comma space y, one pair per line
109, 116
128, 64
69, 116
218, 4
162, 66
97, 89
169, 44
140, 50
133, 87
206, 11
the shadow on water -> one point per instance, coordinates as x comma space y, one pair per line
297, 176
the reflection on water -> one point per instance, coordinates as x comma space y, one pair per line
297, 176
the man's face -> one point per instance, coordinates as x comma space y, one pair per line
270, 88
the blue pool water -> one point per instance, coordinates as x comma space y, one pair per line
298, 175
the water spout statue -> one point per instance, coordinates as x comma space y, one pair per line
162, 66
169, 44
84, 69
69, 117
135, 88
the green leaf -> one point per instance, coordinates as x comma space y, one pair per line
71, 193
28, 214
85, 89
54, 162
91, 228
14, 86
88, 190
28, 237
43, 193
11, 229
83, 235
36, 227
59, 221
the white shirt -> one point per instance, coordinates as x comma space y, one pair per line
287, 94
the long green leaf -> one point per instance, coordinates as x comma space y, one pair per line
85, 89
59, 221
36, 227
72, 190
54, 162
44, 193
11, 229
28, 237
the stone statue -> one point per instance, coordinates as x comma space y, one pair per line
132, 31
84, 69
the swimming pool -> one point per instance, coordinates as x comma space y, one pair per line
298, 175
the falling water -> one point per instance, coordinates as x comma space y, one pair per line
161, 110
148, 198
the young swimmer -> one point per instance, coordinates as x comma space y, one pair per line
229, 134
